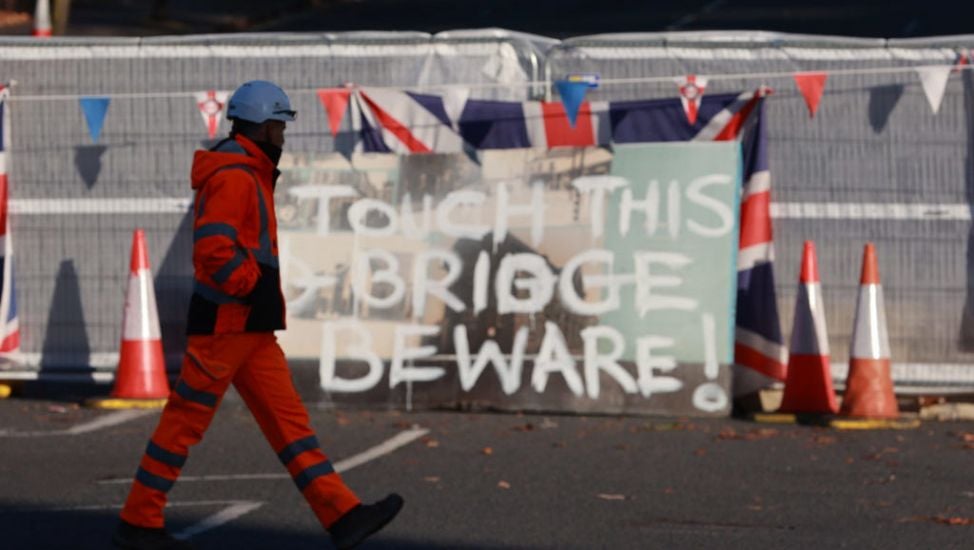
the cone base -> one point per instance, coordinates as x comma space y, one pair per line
809, 386
141, 371
114, 403
869, 390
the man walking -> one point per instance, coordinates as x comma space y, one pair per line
236, 306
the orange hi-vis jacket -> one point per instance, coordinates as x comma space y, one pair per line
238, 281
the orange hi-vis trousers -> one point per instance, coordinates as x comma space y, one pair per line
255, 363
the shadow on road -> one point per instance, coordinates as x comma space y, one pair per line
29, 526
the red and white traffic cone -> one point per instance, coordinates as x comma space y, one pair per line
141, 376
869, 386
42, 19
808, 387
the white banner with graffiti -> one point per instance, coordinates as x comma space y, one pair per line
566, 279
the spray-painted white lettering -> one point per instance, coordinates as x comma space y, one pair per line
445, 209
490, 353
358, 215
423, 285
539, 284
578, 304
324, 194
505, 210
722, 211
588, 283
358, 349
554, 357
407, 219
481, 280
403, 354
647, 363
388, 275
648, 206
646, 282
608, 363
597, 187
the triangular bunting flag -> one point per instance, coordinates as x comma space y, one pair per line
691, 92
94, 109
963, 59
454, 100
811, 86
572, 95
211, 103
335, 101
934, 82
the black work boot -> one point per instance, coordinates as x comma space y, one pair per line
133, 537
363, 520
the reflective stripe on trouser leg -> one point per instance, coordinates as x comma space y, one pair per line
264, 383
185, 418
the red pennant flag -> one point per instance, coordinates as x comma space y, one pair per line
691, 92
811, 85
335, 101
963, 58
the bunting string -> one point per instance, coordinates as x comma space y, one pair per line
765, 76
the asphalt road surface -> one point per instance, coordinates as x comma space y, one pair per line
491, 481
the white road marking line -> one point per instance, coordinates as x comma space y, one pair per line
399, 440
223, 516
234, 510
109, 420
118, 506
105, 421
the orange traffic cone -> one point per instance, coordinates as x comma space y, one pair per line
808, 387
42, 19
140, 380
869, 386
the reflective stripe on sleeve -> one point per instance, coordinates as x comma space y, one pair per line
228, 268
215, 229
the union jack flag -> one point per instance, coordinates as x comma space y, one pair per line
382, 120
9, 326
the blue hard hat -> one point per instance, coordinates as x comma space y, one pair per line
259, 101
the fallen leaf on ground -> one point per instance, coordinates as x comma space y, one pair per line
430, 442
611, 496
432, 479
700, 452
943, 520
755, 434
529, 427
668, 491
487, 451
503, 485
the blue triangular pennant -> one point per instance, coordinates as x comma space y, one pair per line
572, 95
94, 109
